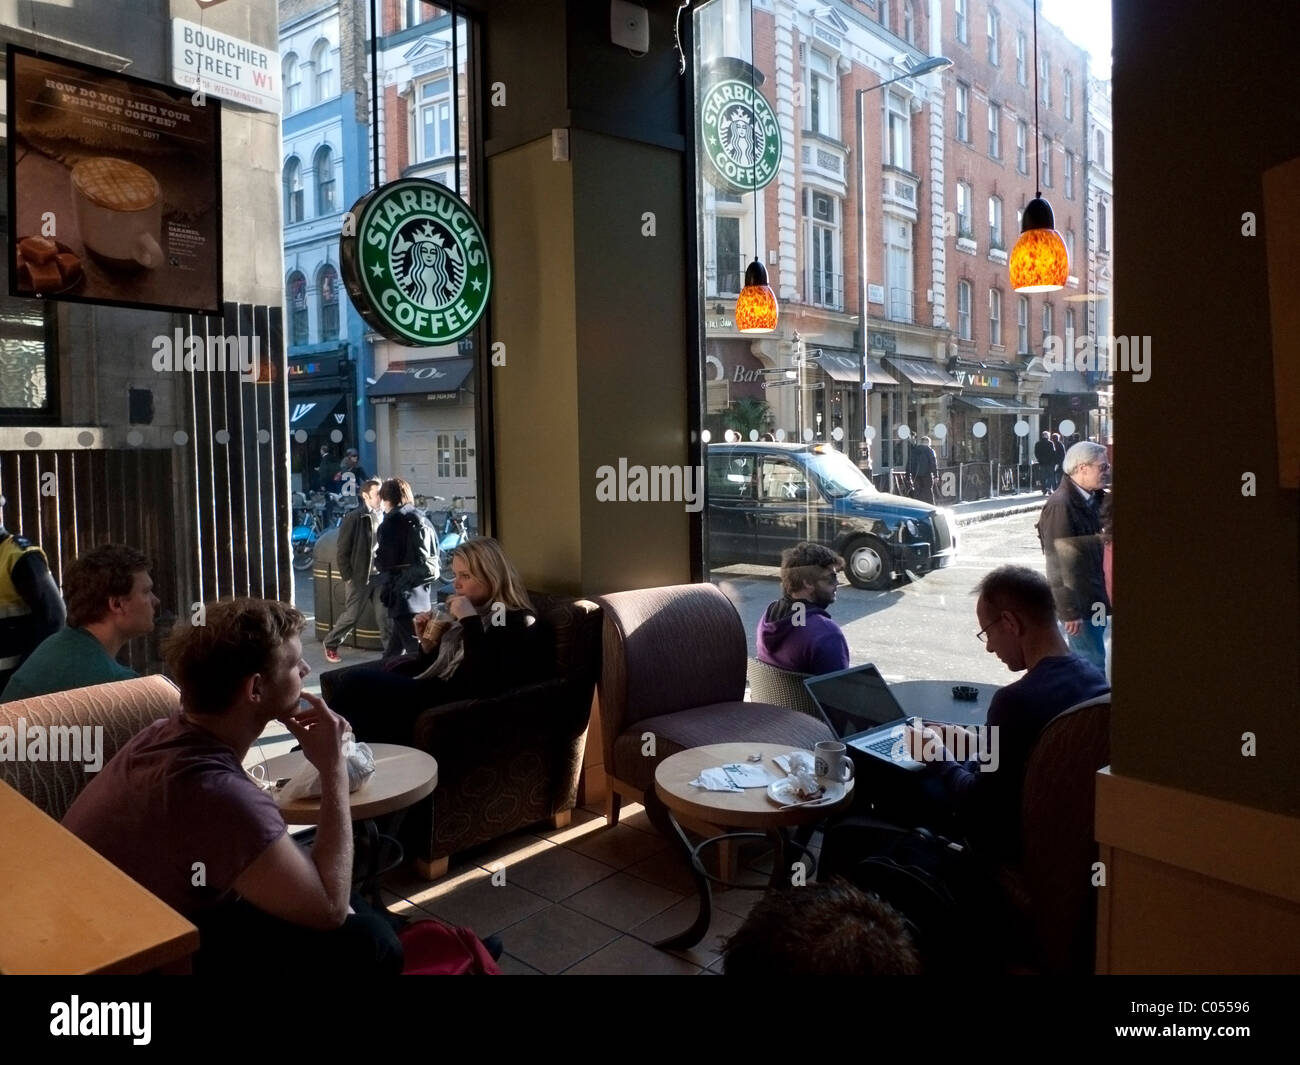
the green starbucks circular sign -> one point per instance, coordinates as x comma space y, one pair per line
415, 262
742, 141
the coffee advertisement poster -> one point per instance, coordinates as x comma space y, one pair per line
114, 188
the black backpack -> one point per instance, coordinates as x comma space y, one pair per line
932, 882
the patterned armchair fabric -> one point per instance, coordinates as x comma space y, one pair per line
771, 684
121, 709
674, 665
514, 760
1057, 819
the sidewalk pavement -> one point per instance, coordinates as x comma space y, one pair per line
998, 507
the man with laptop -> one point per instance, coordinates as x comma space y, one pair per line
941, 776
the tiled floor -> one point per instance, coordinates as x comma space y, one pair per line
585, 899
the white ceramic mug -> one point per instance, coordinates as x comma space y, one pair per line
119, 211
831, 763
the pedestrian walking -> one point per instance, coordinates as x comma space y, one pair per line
357, 542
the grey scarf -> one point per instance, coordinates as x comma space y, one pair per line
451, 649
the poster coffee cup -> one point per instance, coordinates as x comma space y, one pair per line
119, 211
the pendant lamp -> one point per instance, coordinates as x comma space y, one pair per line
1039, 261
756, 310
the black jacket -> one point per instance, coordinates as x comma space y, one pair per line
407, 560
1070, 532
356, 545
922, 461
1058, 448
1044, 452
497, 658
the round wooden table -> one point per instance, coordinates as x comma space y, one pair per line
728, 810
402, 777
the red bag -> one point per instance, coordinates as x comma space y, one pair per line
436, 949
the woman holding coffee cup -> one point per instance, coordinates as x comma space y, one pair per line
484, 640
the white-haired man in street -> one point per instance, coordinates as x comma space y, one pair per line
1070, 530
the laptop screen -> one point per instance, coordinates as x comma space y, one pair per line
855, 699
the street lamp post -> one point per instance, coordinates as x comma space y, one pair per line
926, 67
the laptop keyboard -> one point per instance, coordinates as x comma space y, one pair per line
885, 745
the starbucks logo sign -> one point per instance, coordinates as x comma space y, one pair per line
738, 128
416, 263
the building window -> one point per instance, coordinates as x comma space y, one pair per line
327, 281
292, 191
821, 254
1045, 161
726, 229
963, 310
1069, 175
1069, 329
1047, 321
1067, 95
823, 99
898, 149
1069, 247
297, 293
964, 228
453, 456
963, 112
1022, 323
898, 270
884, 13
434, 119
994, 49
1101, 149
995, 131
995, 316
1102, 243
26, 346
416, 12
1022, 147
323, 71
995, 222
291, 79
1045, 78
909, 22
326, 203
960, 7
1021, 52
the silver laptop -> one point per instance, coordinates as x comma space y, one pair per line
865, 714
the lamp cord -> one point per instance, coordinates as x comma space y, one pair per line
753, 111
1038, 140
455, 91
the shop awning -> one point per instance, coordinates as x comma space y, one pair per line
438, 378
925, 374
843, 366
307, 412
993, 405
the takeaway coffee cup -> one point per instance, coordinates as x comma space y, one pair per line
119, 211
832, 763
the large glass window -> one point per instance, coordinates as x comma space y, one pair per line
326, 201
323, 70
898, 143
293, 191
296, 290
898, 270
291, 79
823, 106
453, 456
731, 266
327, 283
25, 327
822, 258
434, 119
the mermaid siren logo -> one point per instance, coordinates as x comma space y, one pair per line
415, 262
739, 130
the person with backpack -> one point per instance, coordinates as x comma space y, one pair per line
406, 561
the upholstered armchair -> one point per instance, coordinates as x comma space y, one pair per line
673, 667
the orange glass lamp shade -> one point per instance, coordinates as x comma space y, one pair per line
756, 310
1039, 262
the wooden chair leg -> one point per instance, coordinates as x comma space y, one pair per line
613, 801
434, 870
562, 819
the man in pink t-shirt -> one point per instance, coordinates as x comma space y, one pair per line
175, 810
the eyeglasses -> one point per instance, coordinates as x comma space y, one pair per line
982, 635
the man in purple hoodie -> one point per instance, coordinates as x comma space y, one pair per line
796, 633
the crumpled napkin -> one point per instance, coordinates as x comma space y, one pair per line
734, 777
801, 777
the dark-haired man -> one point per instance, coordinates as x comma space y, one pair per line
795, 632
110, 601
1017, 619
175, 810
356, 561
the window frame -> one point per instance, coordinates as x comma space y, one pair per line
1067, 94
996, 232
1022, 58
291, 79
1022, 323
965, 210
898, 116
1048, 321
293, 191
420, 104
1022, 146
326, 183
297, 339
993, 32
995, 316
963, 113
832, 111
1045, 161
966, 295
330, 322
322, 70
909, 22
995, 130
962, 29
1068, 174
